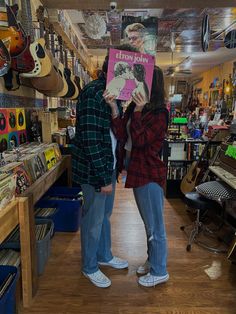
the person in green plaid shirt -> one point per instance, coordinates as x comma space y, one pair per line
93, 168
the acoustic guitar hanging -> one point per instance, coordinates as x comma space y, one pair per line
52, 83
190, 180
71, 85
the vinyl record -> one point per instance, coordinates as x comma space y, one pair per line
3, 145
12, 120
2, 122
20, 119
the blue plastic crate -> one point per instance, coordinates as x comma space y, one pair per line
67, 217
67, 192
8, 301
43, 246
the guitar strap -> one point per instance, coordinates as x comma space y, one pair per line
8, 81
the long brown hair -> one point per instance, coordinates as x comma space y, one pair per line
157, 99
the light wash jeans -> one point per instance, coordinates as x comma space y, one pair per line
150, 200
95, 227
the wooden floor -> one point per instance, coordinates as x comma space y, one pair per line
200, 282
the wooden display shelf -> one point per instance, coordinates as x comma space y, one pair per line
12, 215
8, 219
58, 27
21, 211
26, 219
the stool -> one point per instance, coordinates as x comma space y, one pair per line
202, 205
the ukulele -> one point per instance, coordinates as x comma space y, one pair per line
190, 180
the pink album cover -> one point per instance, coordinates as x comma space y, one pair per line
129, 73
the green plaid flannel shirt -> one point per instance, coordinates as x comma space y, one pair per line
92, 153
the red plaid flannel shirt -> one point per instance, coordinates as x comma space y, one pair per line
147, 132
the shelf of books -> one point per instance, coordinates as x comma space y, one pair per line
179, 156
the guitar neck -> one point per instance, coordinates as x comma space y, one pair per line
26, 14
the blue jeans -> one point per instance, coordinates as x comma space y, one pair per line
95, 227
149, 199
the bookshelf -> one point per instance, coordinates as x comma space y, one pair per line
178, 155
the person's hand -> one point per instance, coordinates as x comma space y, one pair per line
110, 99
139, 100
106, 189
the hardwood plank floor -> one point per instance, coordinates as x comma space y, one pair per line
200, 282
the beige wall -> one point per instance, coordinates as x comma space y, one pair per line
221, 71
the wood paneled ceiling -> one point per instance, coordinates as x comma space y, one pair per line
136, 4
184, 20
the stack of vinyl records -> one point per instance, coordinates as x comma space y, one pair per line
40, 232
77, 197
6, 283
45, 212
10, 257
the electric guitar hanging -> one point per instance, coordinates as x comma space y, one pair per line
12, 29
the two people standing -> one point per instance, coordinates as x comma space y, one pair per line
99, 125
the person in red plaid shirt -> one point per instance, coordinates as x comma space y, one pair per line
141, 132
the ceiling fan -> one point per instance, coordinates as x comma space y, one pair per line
176, 69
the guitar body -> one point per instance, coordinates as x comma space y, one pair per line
188, 182
18, 42
71, 85
15, 32
49, 83
41, 58
64, 89
5, 59
44, 57
37, 69
11, 80
24, 62
76, 94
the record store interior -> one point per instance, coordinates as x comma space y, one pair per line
117, 157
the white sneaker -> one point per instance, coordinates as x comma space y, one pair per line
143, 269
98, 279
151, 280
116, 262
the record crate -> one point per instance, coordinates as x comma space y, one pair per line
67, 201
43, 246
8, 279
